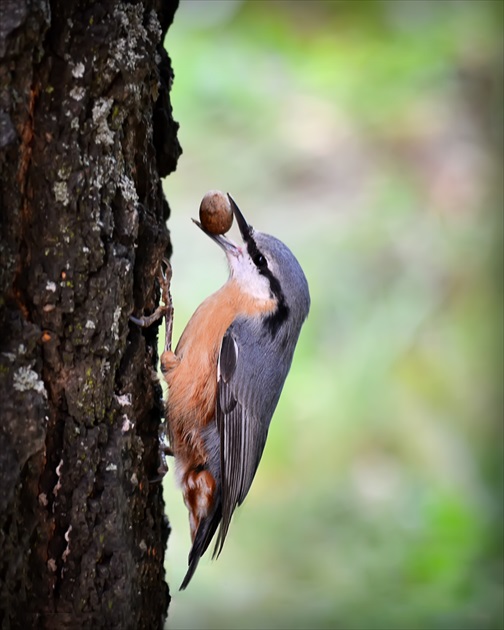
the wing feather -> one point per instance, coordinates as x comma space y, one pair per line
246, 398
252, 368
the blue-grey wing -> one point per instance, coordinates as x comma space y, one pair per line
252, 370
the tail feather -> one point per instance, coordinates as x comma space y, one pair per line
204, 535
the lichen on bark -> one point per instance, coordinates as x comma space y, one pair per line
86, 133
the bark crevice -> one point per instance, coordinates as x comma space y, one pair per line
82, 150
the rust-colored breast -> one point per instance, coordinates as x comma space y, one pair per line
192, 376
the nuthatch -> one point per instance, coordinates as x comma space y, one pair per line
225, 378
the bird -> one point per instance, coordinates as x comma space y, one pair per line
225, 377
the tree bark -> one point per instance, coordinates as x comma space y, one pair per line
86, 132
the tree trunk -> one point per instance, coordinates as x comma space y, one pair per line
86, 132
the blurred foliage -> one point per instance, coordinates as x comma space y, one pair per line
368, 136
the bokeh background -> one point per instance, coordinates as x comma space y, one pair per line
368, 137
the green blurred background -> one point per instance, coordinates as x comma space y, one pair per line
368, 137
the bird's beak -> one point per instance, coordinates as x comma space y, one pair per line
245, 228
225, 243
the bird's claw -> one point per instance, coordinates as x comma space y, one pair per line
165, 309
164, 451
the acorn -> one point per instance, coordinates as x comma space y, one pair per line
215, 212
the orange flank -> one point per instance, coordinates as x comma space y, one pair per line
191, 376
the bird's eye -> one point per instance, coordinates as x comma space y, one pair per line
260, 261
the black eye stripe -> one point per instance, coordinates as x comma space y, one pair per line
257, 256
281, 313
253, 251
274, 321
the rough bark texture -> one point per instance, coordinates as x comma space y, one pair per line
86, 131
